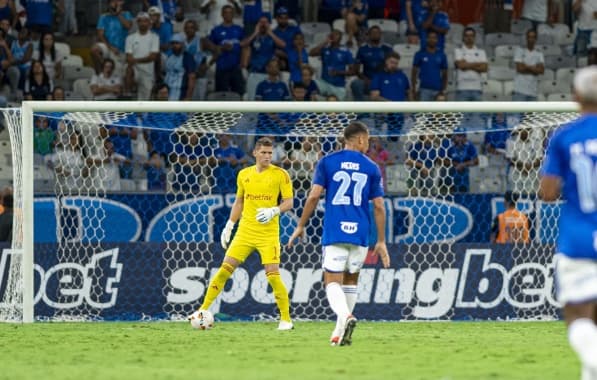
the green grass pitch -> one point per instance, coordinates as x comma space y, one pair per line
256, 350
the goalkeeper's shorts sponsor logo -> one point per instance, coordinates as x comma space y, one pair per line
349, 227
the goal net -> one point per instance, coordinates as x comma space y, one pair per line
118, 208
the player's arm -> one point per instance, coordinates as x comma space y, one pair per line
549, 188
308, 209
379, 214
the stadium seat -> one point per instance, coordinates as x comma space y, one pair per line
558, 62
62, 48
402, 27
196, 16
315, 63
284, 77
565, 74
393, 38
520, 26
223, 96
339, 24
5, 147
396, 178
320, 37
495, 39
493, 87
73, 73
455, 33
495, 98
543, 39
554, 87
501, 73
312, 28
5, 172
499, 61
72, 60
508, 87
386, 25
406, 50
4, 135
565, 39
559, 97
548, 74
505, 51
550, 49
556, 30
582, 62
127, 185
82, 88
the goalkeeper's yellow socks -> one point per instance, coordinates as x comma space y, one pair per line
216, 285
280, 294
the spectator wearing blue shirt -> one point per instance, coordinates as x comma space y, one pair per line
272, 88
192, 161
370, 57
411, 11
423, 156
434, 20
163, 28
307, 73
497, 134
40, 15
377, 8
296, 56
391, 84
112, 29
337, 64
430, 66
230, 159
224, 42
462, 154
286, 33
330, 10
180, 70
193, 44
253, 11
156, 172
355, 16
262, 47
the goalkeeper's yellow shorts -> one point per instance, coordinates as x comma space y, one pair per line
241, 247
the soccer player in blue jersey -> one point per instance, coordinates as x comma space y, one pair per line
570, 169
350, 180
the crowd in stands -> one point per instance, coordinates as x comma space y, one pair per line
308, 50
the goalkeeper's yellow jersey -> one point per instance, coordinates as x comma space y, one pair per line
265, 189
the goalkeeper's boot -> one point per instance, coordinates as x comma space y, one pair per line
349, 326
285, 325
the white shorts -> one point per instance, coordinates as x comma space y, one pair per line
576, 279
341, 258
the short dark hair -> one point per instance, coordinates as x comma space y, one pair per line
392, 54
263, 141
469, 29
299, 85
7, 201
510, 197
226, 7
531, 31
355, 128
374, 27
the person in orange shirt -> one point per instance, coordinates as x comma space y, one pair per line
511, 226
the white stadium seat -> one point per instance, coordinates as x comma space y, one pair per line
386, 25
493, 87
501, 73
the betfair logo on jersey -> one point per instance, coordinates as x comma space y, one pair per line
349, 227
350, 166
258, 197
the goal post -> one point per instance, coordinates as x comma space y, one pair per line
22, 137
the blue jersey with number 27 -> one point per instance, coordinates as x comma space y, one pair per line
572, 156
350, 180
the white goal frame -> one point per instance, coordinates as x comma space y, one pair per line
29, 107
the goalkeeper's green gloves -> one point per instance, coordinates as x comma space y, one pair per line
264, 215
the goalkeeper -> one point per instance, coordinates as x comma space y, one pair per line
260, 187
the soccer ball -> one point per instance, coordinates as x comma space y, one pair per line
202, 320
